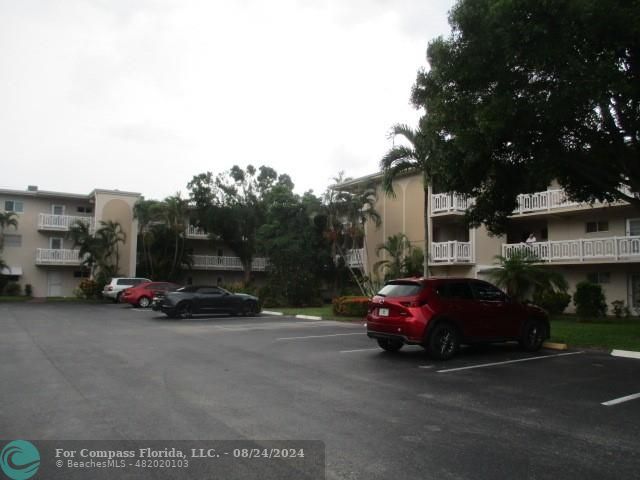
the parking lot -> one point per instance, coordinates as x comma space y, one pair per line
72, 371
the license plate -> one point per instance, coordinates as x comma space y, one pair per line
383, 312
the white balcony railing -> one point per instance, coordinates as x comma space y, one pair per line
211, 262
51, 256
450, 203
580, 249
49, 221
356, 258
196, 232
548, 200
451, 252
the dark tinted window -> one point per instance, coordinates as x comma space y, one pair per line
127, 281
405, 289
487, 292
460, 290
210, 290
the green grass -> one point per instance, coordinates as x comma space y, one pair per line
325, 312
12, 298
607, 333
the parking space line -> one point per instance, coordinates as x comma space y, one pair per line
502, 363
360, 350
616, 401
320, 336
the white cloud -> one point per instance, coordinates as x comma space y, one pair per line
143, 95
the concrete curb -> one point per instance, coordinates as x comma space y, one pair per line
625, 354
555, 346
309, 317
269, 312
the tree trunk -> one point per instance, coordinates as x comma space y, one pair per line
426, 230
247, 271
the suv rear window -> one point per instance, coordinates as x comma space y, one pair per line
404, 289
126, 281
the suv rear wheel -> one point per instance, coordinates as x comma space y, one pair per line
390, 345
443, 342
533, 335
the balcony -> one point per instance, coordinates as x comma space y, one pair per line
61, 223
614, 249
196, 233
51, 256
450, 203
212, 262
356, 258
537, 202
451, 252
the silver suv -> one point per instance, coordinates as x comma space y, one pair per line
117, 285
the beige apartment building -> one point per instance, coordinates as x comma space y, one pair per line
599, 243
213, 263
39, 251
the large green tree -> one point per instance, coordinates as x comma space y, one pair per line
527, 91
232, 206
292, 238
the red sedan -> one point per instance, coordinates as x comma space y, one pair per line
142, 294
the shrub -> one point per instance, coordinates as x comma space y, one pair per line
88, 288
350, 306
589, 300
552, 302
620, 309
13, 289
28, 290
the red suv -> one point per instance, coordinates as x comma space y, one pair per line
142, 294
442, 313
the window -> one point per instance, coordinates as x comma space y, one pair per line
487, 292
56, 243
12, 240
600, 226
459, 290
81, 274
599, 277
126, 281
13, 206
57, 209
84, 210
405, 289
210, 290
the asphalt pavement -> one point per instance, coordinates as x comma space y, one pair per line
98, 372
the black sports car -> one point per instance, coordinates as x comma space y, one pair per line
192, 299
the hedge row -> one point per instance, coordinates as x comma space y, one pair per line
350, 306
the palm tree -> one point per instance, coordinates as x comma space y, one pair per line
146, 212
398, 248
7, 219
522, 272
175, 214
90, 249
110, 235
353, 206
409, 159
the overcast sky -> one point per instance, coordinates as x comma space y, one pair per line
141, 95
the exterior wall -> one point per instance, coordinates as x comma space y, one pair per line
404, 213
105, 205
118, 207
400, 214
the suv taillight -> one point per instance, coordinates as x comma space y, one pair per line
109, 288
